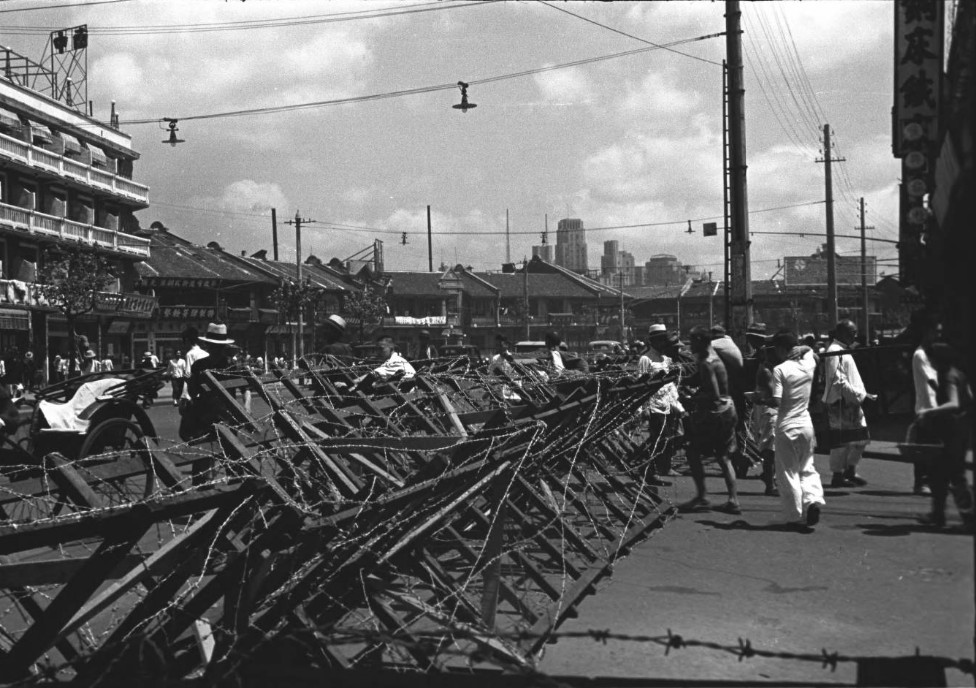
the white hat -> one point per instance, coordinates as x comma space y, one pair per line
216, 334
337, 322
657, 329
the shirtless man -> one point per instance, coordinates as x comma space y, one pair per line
712, 424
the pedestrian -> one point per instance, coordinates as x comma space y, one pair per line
194, 352
758, 367
176, 371
554, 357
801, 492
734, 362
663, 409
30, 369
56, 373
951, 421
711, 425
501, 367
107, 364
334, 330
844, 395
394, 366
425, 349
926, 329
201, 409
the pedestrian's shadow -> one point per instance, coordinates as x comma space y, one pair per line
903, 529
740, 524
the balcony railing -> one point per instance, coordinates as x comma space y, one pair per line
34, 156
49, 225
18, 293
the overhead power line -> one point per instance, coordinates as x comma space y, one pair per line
55, 7
284, 22
423, 89
327, 225
624, 33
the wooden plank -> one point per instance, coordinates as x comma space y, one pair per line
71, 484
53, 571
43, 633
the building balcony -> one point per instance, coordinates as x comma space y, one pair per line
29, 294
61, 228
15, 150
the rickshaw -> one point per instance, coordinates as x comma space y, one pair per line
84, 416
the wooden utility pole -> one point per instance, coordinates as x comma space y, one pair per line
299, 349
727, 286
274, 232
864, 277
525, 286
831, 243
430, 244
740, 264
623, 339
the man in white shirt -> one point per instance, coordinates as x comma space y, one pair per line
844, 394
663, 408
799, 483
395, 364
193, 354
926, 380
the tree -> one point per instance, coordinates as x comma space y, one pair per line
368, 307
70, 279
292, 299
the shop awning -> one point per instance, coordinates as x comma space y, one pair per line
13, 319
9, 118
71, 143
40, 131
97, 155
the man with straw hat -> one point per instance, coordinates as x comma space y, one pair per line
663, 408
199, 415
334, 329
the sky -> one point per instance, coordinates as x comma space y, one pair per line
627, 140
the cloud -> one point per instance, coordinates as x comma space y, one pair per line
245, 196
569, 86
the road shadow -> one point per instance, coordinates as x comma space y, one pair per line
887, 493
740, 524
903, 529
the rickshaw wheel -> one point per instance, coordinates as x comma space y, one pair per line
123, 442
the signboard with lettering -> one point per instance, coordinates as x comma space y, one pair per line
918, 75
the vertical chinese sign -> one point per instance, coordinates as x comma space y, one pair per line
915, 120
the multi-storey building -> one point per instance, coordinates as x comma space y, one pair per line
571, 246
616, 266
65, 179
663, 270
544, 252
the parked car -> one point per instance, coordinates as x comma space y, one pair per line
453, 350
529, 350
606, 346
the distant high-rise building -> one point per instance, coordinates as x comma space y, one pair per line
571, 245
614, 263
544, 251
663, 269
812, 270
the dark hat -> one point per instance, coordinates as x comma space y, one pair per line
757, 329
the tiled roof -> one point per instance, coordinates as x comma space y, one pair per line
172, 257
280, 270
512, 285
415, 283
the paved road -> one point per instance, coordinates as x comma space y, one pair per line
868, 581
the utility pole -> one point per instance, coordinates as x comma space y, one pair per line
623, 339
864, 277
430, 244
831, 247
299, 349
740, 267
274, 232
525, 287
727, 286
508, 242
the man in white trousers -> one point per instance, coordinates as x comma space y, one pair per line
799, 483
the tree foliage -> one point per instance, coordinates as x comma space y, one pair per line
70, 279
292, 298
367, 307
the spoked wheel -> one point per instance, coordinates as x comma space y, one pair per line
115, 461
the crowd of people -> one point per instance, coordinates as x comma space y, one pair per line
767, 394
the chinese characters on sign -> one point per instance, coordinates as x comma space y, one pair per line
915, 117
